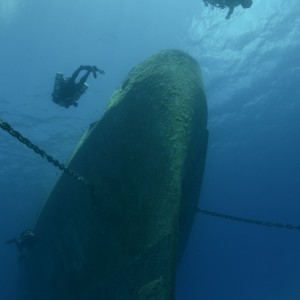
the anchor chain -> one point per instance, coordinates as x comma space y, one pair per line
5, 126
245, 220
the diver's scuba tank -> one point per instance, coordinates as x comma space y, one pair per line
59, 78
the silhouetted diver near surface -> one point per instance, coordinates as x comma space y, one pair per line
67, 91
27, 240
231, 4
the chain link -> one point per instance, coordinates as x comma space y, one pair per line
5, 126
245, 220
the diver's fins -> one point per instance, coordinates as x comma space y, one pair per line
98, 70
11, 241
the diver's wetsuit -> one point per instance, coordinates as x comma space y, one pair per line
68, 91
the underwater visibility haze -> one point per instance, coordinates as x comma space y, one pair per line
251, 72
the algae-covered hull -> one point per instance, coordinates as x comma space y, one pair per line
146, 158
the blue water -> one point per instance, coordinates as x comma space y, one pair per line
251, 70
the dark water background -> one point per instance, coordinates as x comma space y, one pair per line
251, 69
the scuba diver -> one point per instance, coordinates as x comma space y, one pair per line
67, 91
27, 240
231, 4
